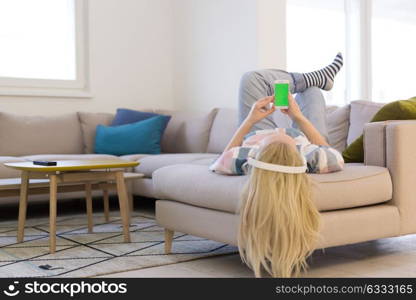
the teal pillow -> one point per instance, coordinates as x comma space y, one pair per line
141, 137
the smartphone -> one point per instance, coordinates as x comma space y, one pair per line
281, 94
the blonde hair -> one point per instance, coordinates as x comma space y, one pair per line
279, 223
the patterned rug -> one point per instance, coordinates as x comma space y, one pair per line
80, 254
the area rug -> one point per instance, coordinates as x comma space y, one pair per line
80, 254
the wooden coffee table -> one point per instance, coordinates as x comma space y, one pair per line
70, 172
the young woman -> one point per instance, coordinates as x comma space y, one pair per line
279, 223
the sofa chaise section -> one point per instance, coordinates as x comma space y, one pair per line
363, 202
196, 194
357, 185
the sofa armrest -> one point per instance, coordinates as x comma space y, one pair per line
393, 144
375, 144
401, 162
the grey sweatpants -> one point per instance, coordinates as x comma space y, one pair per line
256, 85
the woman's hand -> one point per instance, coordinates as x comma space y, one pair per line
260, 110
293, 111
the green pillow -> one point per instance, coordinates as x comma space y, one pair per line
398, 110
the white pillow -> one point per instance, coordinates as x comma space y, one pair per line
361, 113
338, 122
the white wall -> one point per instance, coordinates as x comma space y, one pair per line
214, 44
174, 54
271, 34
130, 60
217, 41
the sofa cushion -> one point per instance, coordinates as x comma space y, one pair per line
338, 122
223, 128
151, 163
22, 135
143, 187
361, 113
133, 157
207, 161
356, 185
139, 137
6, 172
397, 110
187, 132
226, 122
127, 116
89, 122
95, 157
55, 157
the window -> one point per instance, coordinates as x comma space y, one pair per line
393, 49
376, 38
42, 47
315, 34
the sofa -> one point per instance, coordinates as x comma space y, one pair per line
72, 136
363, 202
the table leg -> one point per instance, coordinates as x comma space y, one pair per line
88, 199
123, 201
53, 187
106, 205
168, 240
22, 206
131, 197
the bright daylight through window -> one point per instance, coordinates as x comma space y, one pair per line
381, 40
38, 39
393, 49
315, 34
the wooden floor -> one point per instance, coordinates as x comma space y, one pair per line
392, 257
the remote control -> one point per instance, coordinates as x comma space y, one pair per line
45, 163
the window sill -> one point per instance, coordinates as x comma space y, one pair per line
42, 92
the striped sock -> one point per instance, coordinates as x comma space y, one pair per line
324, 78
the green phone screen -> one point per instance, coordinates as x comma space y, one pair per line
281, 94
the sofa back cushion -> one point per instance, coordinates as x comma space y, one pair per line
127, 116
187, 132
338, 123
223, 128
226, 123
89, 122
361, 113
23, 135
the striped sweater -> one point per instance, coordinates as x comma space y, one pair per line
320, 159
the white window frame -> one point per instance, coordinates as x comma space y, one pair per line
358, 17
358, 43
78, 88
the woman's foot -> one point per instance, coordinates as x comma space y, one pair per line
324, 78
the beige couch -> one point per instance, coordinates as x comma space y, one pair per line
363, 202
71, 136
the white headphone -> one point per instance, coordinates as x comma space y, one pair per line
278, 168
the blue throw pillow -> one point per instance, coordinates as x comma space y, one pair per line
127, 116
141, 137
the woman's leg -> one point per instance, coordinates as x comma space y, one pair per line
257, 85
312, 104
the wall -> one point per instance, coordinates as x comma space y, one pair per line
214, 44
130, 60
217, 41
271, 34
174, 54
